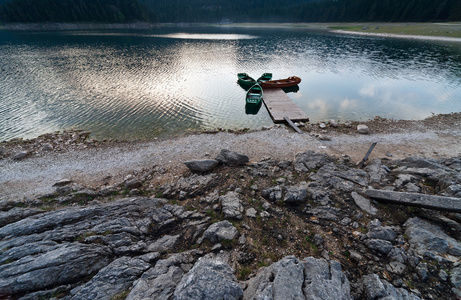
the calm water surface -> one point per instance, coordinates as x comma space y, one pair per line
163, 82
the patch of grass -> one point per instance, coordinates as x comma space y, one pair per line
6, 248
243, 273
189, 207
409, 284
8, 261
428, 182
120, 296
309, 244
47, 208
420, 29
229, 243
265, 241
83, 236
345, 27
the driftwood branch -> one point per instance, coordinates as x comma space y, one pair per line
362, 163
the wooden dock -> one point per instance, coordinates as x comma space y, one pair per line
280, 106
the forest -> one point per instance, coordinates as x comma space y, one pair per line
99, 11
213, 11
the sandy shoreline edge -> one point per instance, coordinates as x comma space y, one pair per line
436, 137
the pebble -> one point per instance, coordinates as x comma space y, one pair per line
363, 129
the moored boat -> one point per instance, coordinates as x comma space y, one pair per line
245, 80
254, 95
281, 83
265, 77
252, 109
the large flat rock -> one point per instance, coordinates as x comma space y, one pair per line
419, 200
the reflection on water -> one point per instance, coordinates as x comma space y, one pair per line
139, 84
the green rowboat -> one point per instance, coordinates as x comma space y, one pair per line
254, 95
264, 77
245, 80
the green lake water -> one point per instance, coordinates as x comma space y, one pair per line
162, 82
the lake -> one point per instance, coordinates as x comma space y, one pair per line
139, 84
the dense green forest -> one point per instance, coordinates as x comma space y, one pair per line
109, 11
104, 11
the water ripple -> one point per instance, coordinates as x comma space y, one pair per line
147, 83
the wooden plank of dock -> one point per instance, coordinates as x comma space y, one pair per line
280, 106
293, 125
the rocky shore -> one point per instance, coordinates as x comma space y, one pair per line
225, 225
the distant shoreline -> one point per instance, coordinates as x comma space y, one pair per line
421, 31
403, 36
76, 26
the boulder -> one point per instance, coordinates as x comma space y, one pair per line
65, 246
133, 184
364, 203
291, 278
231, 205
380, 246
382, 233
455, 279
202, 166
429, 239
209, 279
295, 195
114, 279
324, 212
273, 194
251, 212
60, 264
20, 155
219, 231
160, 281
376, 171
310, 160
16, 214
163, 244
376, 289
231, 158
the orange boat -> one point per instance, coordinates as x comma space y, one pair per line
280, 83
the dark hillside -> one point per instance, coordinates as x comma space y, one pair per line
101, 11
306, 10
213, 11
